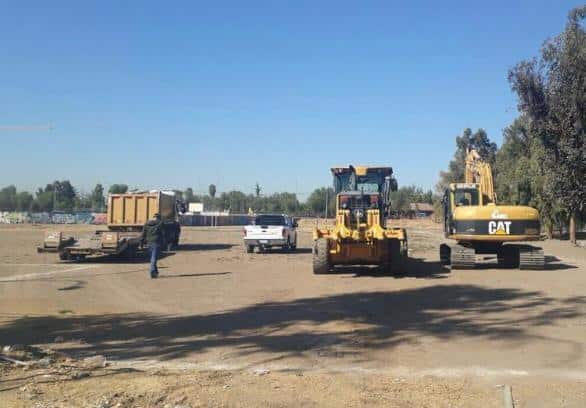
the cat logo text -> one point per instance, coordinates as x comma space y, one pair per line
499, 227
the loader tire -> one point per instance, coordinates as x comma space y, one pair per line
321, 255
397, 264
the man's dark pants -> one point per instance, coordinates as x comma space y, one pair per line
155, 249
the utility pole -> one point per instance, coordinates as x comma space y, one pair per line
326, 211
54, 195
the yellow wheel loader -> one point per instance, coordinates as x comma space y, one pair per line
479, 225
360, 235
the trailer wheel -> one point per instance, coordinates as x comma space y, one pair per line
130, 253
64, 256
321, 255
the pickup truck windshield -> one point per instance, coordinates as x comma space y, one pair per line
270, 220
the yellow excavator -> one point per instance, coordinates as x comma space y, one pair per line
480, 226
361, 236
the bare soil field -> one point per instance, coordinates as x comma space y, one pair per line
224, 328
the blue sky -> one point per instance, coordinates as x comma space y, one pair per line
180, 94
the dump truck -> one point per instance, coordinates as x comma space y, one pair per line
127, 214
361, 235
480, 225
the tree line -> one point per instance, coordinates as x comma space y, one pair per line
62, 196
542, 160
56, 196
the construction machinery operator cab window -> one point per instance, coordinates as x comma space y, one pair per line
466, 197
369, 183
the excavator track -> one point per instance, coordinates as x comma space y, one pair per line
462, 257
531, 257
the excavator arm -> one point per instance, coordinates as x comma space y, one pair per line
479, 171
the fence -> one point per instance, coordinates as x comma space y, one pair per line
214, 220
82, 217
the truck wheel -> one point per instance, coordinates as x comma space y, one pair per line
321, 256
249, 249
64, 256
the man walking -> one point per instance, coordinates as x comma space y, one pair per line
152, 235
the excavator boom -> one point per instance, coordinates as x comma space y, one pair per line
478, 171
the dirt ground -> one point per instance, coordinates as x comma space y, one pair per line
225, 328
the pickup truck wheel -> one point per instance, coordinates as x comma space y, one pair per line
321, 255
249, 249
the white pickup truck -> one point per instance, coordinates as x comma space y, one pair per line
271, 230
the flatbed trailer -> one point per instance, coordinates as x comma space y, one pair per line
101, 243
127, 214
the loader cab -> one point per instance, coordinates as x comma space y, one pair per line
360, 189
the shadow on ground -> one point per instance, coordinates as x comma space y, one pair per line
193, 275
413, 268
139, 257
297, 251
204, 247
353, 321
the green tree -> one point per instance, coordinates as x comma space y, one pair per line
83, 201
552, 93
118, 189
478, 140
212, 190
24, 201
189, 196
316, 202
64, 195
97, 198
8, 198
45, 199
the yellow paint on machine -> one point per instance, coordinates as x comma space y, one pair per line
496, 212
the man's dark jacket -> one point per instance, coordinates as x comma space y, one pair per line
152, 232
